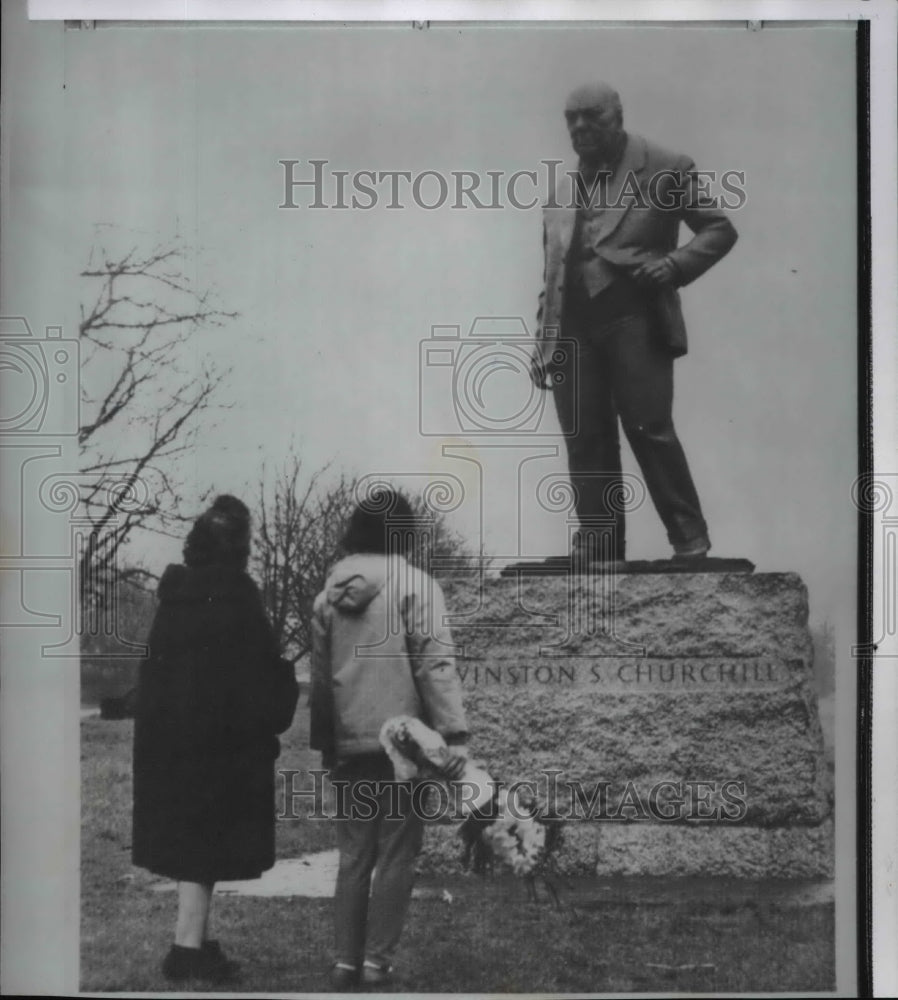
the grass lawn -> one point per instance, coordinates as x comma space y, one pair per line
488, 939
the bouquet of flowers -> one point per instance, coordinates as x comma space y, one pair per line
512, 835
500, 825
413, 747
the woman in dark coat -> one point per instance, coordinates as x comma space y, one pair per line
211, 697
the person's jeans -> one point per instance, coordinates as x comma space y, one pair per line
622, 369
386, 844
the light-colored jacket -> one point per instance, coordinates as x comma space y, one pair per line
636, 229
380, 648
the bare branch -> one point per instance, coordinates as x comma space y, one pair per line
140, 408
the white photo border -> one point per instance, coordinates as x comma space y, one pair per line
35, 827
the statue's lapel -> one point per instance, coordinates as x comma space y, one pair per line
560, 211
622, 186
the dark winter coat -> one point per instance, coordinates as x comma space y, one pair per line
211, 696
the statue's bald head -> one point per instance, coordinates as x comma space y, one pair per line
594, 95
595, 121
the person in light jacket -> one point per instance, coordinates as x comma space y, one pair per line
379, 649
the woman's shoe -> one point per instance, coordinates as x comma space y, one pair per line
207, 963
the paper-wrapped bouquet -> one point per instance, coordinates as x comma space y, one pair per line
499, 824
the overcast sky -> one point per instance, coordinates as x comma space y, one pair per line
181, 130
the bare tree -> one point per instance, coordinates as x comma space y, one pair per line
141, 399
300, 526
298, 537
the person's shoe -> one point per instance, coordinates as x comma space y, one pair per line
375, 975
344, 977
198, 963
696, 549
181, 963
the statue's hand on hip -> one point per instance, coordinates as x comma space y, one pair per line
658, 273
539, 376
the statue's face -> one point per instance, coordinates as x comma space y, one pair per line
594, 124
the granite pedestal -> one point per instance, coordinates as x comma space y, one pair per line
670, 717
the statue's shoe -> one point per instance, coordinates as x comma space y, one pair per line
696, 549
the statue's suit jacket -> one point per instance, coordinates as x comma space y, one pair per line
649, 194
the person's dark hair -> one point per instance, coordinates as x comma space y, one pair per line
375, 518
220, 536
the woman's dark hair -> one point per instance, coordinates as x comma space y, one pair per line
220, 536
382, 513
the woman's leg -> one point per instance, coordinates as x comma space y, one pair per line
190, 956
194, 901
